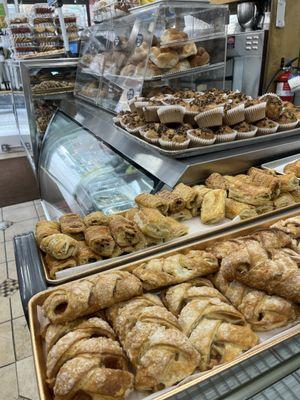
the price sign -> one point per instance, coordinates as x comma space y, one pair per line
139, 39
117, 42
130, 94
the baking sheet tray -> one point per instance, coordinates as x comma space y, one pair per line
197, 230
196, 151
278, 165
269, 339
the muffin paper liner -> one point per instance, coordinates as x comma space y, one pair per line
166, 144
150, 140
171, 114
286, 127
267, 131
271, 95
235, 115
246, 135
150, 113
131, 105
197, 141
256, 112
139, 105
208, 118
189, 117
225, 137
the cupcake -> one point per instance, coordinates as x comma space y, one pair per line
274, 106
245, 130
201, 137
225, 134
233, 114
212, 115
171, 114
171, 139
255, 110
266, 126
132, 122
150, 132
287, 120
172, 101
236, 97
150, 110
192, 109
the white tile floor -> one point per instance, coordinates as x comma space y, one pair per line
17, 375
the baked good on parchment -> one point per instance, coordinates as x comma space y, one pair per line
159, 352
45, 228
216, 329
160, 272
59, 246
100, 240
174, 202
55, 265
90, 295
234, 209
152, 223
124, 232
293, 168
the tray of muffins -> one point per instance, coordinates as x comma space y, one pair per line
156, 327
75, 246
188, 123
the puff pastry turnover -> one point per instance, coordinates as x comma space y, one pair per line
59, 246
100, 240
55, 265
187, 193
45, 228
96, 218
213, 206
151, 201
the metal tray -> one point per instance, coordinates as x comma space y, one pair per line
278, 165
210, 230
196, 151
39, 298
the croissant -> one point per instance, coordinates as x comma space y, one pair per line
93, 327
152, 223
161, 355
59, 246
45, 228
177, 268
262, 311
216, 329
96, 218
151, 201
86, 377
261, 177
90, 295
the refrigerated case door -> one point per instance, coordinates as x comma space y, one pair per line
80, 173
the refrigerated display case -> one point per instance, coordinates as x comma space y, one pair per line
174, 43
38, 87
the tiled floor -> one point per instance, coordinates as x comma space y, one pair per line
17, 375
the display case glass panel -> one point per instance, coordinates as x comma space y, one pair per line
85, 172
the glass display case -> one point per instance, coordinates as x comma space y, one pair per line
181, 44
38, 87
79, 172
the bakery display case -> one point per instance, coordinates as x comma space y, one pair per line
38, 87
174, 43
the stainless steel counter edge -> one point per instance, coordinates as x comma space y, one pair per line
168, 170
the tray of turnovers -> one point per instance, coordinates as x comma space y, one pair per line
77, 245
159, 325
187, 123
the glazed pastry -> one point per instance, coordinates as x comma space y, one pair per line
152, 223
72, 224
160, 354
262, 178
92, 327
160, 272
284, 200
90, 295
82, 376
45, 228
183, 215
262, 263
263, 312
96, 218
213, 206
100, 240
216, 181
216, 329
59, 246
124, 232
54, 265
234, 209
201, 191
187, 193
177, 229
290, 226
85, 255
293, 168
175, 203
151, 201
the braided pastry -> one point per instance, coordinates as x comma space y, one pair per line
216, 329
160, 353
90, 295
177, 268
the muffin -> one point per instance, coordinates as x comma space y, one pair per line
150, 110
225, 134
244, 130
172, 139
150, 132
255, 110
287, 120
233, 113
211, 115
132, 122
171, 114
274, 106
201, 137
266, 126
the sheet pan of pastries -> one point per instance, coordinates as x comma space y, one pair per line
148, 326
186, 122
163, 219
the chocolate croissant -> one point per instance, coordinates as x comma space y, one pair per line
59, 246
100, 240
45, 228
90, 295
216, 329
160, 272
161, 355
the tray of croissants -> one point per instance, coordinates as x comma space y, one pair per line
77, 245
154, 327
187, 123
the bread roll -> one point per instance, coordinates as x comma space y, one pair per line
164, 58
